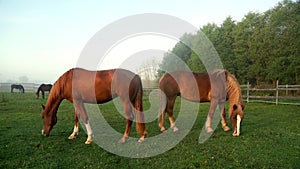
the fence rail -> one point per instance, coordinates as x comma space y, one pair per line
278, 97
275, 98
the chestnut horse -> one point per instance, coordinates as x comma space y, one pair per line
215, 87
81, 86
43, 88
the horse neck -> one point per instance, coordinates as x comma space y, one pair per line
53, 102
234, 92
38, 91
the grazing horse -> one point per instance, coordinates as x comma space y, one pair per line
81, 86
43, 88
215, 87
15, 86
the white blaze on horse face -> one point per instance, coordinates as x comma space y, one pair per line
238, 125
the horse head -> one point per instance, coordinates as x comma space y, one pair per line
236, 118
50, 120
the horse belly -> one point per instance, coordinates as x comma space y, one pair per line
104, 97
196, 98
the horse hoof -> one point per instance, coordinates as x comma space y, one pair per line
122, 140
163, 129
71, 137
226, 128
209, 130
175, 129
235, 134
88, 142
141, 140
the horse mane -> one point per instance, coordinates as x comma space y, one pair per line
233, 88
56, 92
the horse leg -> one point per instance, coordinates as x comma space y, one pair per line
75, 130
223, 115
129, 118
170, 109
162, 110
80, 110
210, 115
43, 94
162, 121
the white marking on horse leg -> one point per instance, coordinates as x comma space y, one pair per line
74, 134
142, 139
161, 124
162, 129
89, 132
173, 125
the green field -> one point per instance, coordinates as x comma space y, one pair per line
270, 138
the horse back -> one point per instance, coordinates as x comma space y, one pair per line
101, 86
191, 86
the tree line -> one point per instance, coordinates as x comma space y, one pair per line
261, 48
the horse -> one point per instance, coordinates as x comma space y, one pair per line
215, 87
80, 86
43, 88
15, 86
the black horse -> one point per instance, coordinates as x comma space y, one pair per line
15, 86
43, 88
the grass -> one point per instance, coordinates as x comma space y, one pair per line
270, 139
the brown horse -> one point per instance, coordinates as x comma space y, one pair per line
15, 86
43, 88
81, 86
215, 87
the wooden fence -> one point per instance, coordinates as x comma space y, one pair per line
281, 94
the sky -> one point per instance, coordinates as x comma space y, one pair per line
40, 40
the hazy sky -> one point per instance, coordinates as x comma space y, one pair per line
42, 39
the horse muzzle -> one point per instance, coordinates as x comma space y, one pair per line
45, 133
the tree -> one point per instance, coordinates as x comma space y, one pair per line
177, 58
243, 34
224, 45
285, 21
262, 48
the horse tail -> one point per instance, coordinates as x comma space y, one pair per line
138, 105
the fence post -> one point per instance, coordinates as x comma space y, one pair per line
277, 92
248, 86
286, 89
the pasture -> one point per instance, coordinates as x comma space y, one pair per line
270, 138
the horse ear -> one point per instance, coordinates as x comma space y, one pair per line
235, 107
43, 107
